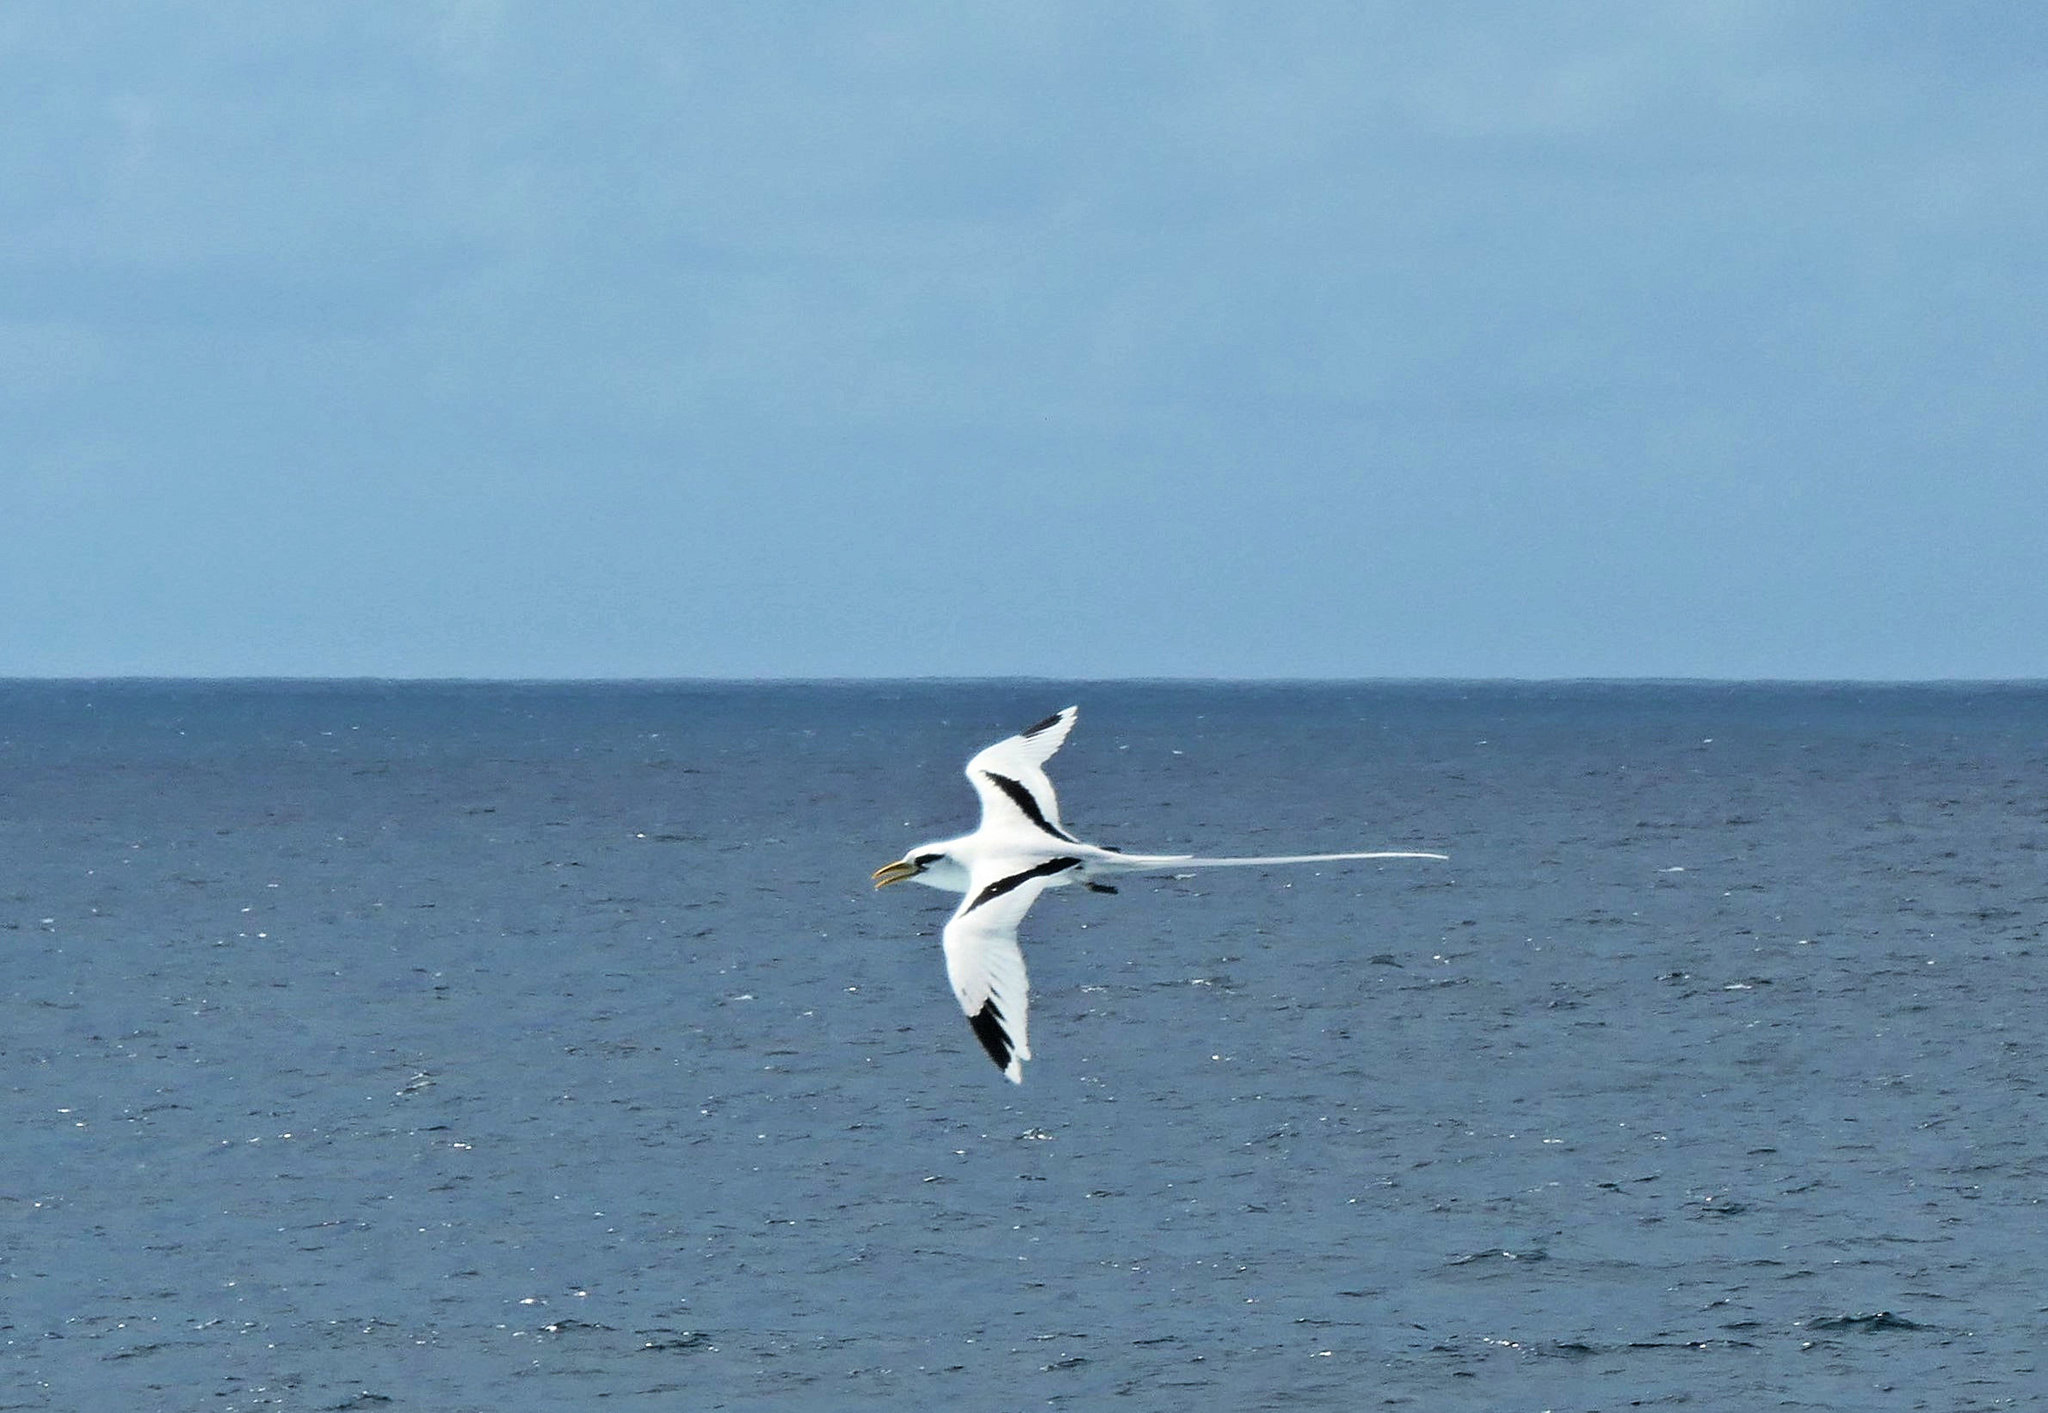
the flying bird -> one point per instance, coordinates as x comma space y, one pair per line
1020, 850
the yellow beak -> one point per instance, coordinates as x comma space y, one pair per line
895, 872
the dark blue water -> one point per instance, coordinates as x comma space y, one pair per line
537, 1048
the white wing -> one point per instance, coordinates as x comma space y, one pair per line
984, 963
1010, 778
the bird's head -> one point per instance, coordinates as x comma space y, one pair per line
911, 865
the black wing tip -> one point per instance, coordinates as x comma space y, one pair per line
1046, 725
988, 1029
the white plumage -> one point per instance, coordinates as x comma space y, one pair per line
1020, 850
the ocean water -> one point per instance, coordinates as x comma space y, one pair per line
503, 1048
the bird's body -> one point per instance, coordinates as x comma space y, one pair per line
1020, 850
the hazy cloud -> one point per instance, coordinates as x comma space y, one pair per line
1345, 339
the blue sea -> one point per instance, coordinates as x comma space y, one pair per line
488, 1047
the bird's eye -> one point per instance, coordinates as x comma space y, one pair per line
925, 860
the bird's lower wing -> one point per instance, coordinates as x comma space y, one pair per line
985, 964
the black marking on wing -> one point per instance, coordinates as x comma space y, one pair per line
1003, 885
1045, 725
1025, 801
988, 1029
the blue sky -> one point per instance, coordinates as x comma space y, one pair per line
1078, 340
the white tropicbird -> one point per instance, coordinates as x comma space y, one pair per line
1020, 850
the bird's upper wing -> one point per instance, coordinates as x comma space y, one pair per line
984, 962
1010, 778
